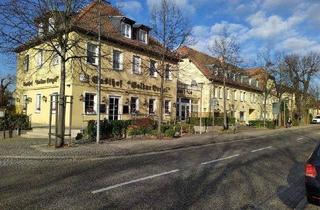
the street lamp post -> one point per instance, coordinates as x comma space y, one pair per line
99, 76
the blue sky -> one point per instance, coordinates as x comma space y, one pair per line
290, 26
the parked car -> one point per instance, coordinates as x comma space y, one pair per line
312, 177
316, 120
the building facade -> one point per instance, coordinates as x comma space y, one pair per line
200, 81
130, 79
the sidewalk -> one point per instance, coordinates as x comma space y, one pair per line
38, 149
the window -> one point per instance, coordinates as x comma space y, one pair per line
51, 24
167, 107
216, 92
55, 56
54, 101
40, 29
152, 105
136, 65
25, 102
244, 96
114, 108
92, 54
228, 94
117, 60
39, 58
134, 105
167, 74
235, 95
153, 68
90, 101
38, 102
220, 92
126, 30
26, 63
241, 97
143, 36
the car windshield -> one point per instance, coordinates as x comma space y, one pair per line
317, 117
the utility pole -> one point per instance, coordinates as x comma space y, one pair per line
99, 75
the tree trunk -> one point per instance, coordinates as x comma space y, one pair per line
264, 111
62, 104
160, 119
2, 93
225, 126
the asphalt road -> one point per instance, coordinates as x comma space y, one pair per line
261, 173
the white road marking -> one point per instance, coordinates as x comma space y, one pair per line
134, 181
257, 150
301, 138
220, 159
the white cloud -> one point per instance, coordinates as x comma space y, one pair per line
130, 6
299, 45
184, 5
269, 27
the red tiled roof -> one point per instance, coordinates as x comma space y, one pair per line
202, 62
86, 21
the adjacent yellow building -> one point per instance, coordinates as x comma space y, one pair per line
130, 78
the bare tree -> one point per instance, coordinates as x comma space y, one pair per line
171, 29
226, 48
5, 83
302, 70
267, 84
47, 26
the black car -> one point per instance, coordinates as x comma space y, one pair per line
312, 177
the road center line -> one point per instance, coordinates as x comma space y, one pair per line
134, 181
257, 150
220, 159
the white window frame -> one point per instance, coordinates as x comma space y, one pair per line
38, 103
40, 58
155, 73
25, 103
126, 30
167, 111
168, 73
94, 103
220, 92
26, 63
51, 24
143, 36
54, 100
136, 104
135, 65
95, 54
228, 94
120, 60
154, 106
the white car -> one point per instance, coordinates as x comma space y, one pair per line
316, 120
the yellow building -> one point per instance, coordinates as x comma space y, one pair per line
130, 80
244, 95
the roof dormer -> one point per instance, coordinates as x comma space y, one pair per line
141, 33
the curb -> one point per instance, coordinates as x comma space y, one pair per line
159, 151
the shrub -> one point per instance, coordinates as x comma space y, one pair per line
207, 121
108, 129
170, 132
260, 124
141, 126
14, 121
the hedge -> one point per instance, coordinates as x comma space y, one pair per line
260, 124
108, 129
207, 121
15, 121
